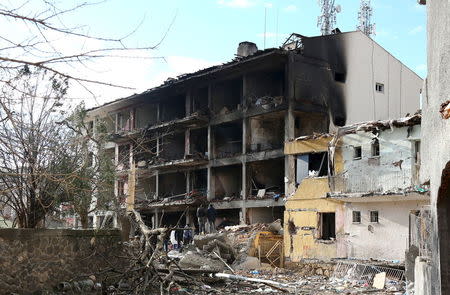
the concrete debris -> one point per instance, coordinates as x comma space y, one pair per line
379, 280
193, 260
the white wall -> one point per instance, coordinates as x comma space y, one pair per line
387, 239
367, 63
379, 173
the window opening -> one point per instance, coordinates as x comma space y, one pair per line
357, 153
375, 147
327, 226
374, 216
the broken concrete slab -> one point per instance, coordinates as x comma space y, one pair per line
193, 260
379, 280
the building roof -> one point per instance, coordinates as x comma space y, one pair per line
237, 61
383, 124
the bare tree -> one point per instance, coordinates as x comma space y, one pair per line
43, 163
31, 145
46, 33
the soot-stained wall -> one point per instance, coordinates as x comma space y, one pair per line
360, 63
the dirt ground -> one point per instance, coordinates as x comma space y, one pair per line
293, 284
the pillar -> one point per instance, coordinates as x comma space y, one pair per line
289, 128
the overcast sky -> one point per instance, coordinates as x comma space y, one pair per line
201, 33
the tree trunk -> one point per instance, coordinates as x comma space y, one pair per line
84, 219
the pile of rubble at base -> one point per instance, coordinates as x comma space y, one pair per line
225, 263
232, 248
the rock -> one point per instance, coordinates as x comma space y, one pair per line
202, 240
250, 263
276, 227
86, 285
174, 254
194, 260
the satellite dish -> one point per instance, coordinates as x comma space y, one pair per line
338, 8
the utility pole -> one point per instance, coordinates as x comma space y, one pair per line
327, 19
365, 15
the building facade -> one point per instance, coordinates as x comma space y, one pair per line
364, 198
217, 135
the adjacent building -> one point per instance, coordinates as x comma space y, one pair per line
217, 135
360, 205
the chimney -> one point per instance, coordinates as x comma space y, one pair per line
246, 48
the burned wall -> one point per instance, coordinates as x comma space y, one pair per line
200, 100
173, 108
268, 175
198, 141
228, 139
227, 96
37, 259
172, 146
145, 188
227, 181
264, 83
358, 64
146, 115
172, 184
265, 214
310, 123
266, 132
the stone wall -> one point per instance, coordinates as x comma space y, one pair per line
36, 259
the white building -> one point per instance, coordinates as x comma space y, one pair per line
379, 186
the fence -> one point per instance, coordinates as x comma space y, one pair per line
361, 183
358, 272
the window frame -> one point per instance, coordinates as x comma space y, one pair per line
355, 148
375, 148
374, 213
320, 232
358, 214
379, 87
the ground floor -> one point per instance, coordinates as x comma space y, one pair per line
228, 213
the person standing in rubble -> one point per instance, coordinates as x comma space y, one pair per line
187, 235
211, 215
201, 216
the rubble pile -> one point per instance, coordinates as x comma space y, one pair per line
222, 263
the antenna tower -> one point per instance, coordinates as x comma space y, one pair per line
365, 18
327, 19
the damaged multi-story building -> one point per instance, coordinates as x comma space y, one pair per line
217, 135
362, 195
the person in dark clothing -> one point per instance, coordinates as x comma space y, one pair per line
187, 235
201, 216
179, 237
211, 214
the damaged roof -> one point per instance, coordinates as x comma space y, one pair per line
383, 124
237, 61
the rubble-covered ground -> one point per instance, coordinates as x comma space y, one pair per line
294, 285
220, 263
